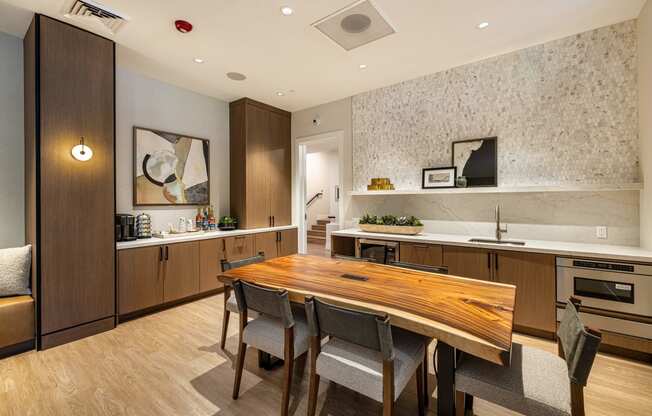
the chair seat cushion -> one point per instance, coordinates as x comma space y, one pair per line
18, 312
267, 334
536, 383
361, 369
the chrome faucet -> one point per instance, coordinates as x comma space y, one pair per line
499, 230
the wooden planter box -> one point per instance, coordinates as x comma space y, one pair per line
391, 229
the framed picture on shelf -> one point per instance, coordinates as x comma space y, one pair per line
433, 178
170, 169
477, 161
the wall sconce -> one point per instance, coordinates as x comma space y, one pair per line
82, 152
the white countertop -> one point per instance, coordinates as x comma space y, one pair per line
599, 251
182, 238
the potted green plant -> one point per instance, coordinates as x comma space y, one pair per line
228, 223
390, 224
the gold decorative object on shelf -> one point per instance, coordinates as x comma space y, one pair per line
380, 184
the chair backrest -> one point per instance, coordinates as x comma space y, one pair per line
228, 265
366, 329
579, 345
270, 302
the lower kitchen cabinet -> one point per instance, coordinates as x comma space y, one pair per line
468, 262
534, 277
140, 278
266, 243
181, 271
211, 254
239, 247
288, 242
422, 254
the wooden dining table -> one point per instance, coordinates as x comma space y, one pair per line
468, 315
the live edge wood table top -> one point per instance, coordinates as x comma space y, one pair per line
470, 315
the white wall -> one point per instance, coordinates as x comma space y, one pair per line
12, 172
645, 119
145, 102
322, 174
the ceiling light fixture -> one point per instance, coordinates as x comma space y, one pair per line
363, 66
198, 60
280, 94
236, 76
483, 25
286, 11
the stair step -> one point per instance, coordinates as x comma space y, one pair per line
317, 240
319, 227
317, 233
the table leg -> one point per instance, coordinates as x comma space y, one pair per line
445, 379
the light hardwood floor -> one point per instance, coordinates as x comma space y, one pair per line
170, 364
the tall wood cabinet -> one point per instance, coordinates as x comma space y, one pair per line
260, 169
69, 204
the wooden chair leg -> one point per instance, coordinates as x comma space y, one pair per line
289, 367
420, 390
225, 327
388, 387
426, 391
460, 403
242, 350
313, 389
577, 399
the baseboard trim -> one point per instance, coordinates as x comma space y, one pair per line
16, 349
158, 308
73, 334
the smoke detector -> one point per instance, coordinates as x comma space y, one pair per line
113, 20
355, 25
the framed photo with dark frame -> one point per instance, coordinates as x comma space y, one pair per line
477, 161
432, 178
170, 169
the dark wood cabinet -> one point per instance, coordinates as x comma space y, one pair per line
140, 283
534, 277
239, 247
211, 253
422, 254
181, 271
266, 243
468, 262
70, 204
260, 169
288, 242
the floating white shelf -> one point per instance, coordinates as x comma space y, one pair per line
507, 190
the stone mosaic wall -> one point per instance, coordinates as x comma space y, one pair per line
565, 112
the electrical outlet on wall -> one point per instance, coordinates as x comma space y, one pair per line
601, 232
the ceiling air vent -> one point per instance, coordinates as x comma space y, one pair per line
355, 25
90, 9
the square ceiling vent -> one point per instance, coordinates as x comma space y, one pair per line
355, 25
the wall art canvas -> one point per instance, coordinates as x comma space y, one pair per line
477, 161
170, 169
438, 178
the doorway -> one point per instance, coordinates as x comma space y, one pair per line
319, 186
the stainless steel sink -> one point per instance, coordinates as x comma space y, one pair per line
492, 241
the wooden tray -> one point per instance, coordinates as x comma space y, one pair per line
391, 229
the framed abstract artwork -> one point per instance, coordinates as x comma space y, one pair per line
477, 161
432, 178
170, 169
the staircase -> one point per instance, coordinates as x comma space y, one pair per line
317, 233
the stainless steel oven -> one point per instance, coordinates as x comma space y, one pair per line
618, 295
377, 250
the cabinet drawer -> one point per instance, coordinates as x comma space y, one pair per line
423, 254
238, 248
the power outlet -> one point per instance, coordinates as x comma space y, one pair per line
601, 232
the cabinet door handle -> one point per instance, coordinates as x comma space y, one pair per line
224, 244
419, 245
167, 253
273, 221
488, 260
270, 220
496, 260
160, 254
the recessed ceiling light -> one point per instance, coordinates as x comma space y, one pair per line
483, 25
280, 94
236, 76
363, 66
286, 11
198, 60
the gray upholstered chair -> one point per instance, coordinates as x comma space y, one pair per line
364, 353
230, 304
278, 331
536, 383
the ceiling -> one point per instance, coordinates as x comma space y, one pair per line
286, 54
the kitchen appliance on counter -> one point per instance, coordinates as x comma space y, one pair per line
616, 297
125, 227
143, 226
379, 251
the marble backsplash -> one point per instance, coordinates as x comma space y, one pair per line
557, 216
565, 112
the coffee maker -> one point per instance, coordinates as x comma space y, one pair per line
125, 227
